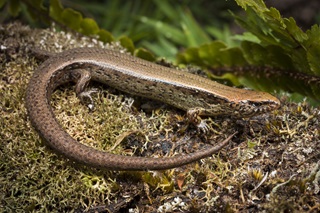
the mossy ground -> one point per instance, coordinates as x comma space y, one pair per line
272, 164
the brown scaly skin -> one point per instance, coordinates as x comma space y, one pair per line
197, 95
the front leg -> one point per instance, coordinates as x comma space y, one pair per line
193, 116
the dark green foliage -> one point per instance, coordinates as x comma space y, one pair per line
74, 20
271, 42
274, 53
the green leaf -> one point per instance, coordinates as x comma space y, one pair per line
282, 45
214, 54
164, 48
71, 18
247, 36
127, 43
89, 26
167, 9
253, 52
313, 35
227, 76
192, 30
233, 57
144, 54
190, 56
166, 30
271, 29
271, 55
105, 36
313, 56
56, 10
258, 5
294, 30
210, 53
225, 35
217, 54
313, 49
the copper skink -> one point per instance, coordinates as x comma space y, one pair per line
194, 94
